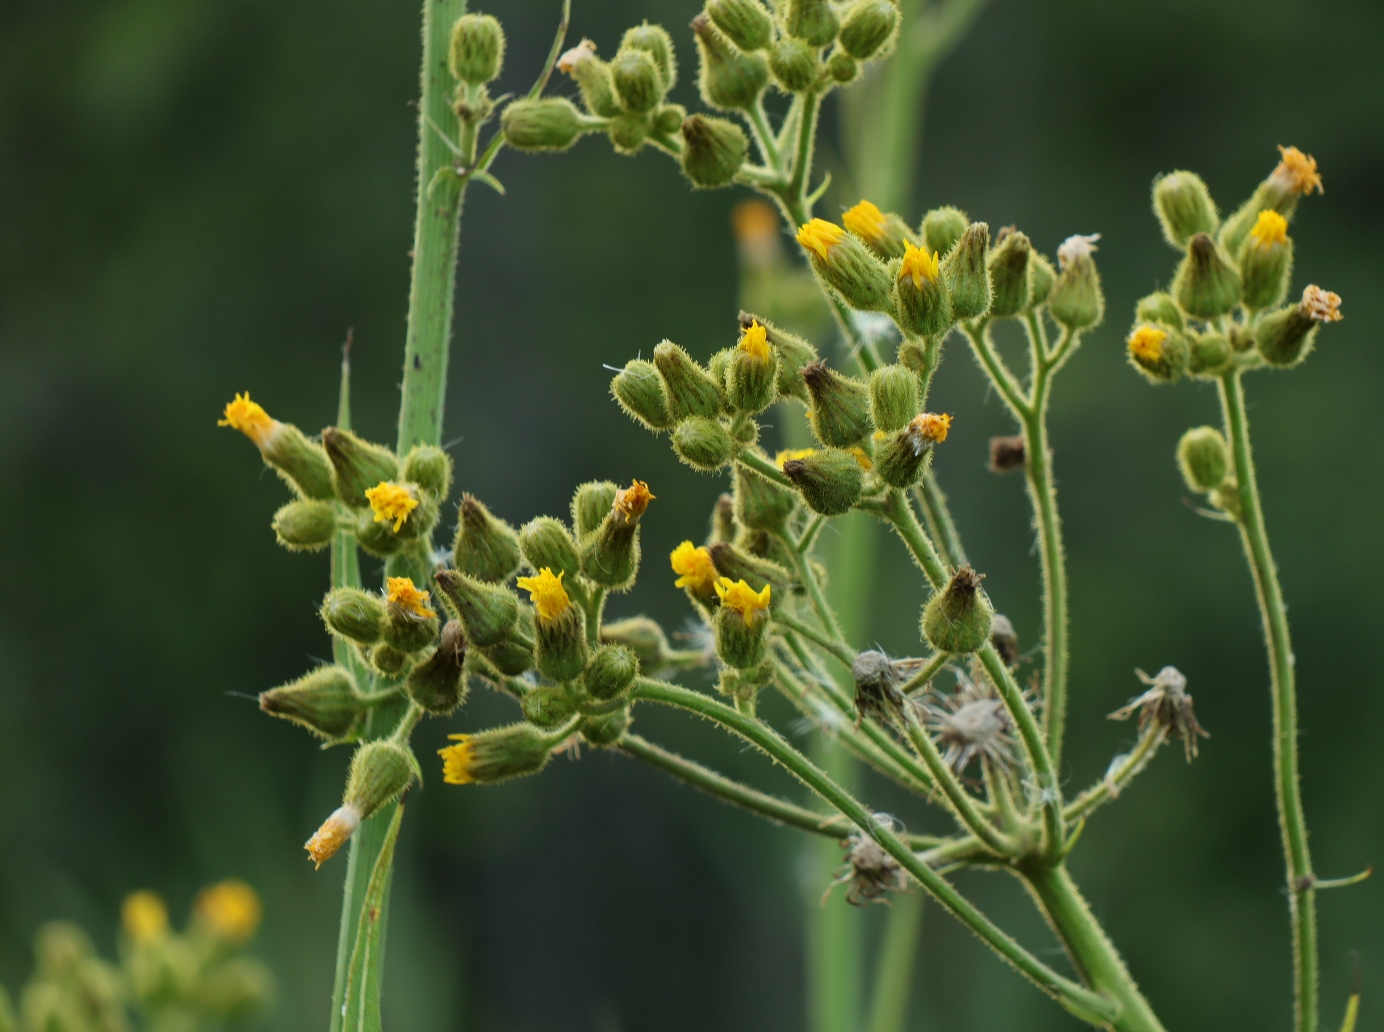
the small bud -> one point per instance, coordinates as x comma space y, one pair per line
376, 537
902, 459
1267, 262
1042, 277
325, 701
812, 21
1293, 177
691, 389
545, 541
793, 64
628, 131
966, 273
745, 22
846, 266
357, 465
495, 755
643, 636
430, 468
830, 480
561, 650
354, 615
477, 49
868, 29
1207, 284
548, 123
729, 79
1184, 207
409, 624
592, 76
957, 619
1005, 640
510, 657
1286, 336
610, 554
752, 372
485, 547
759, 503
1007, 454
655, 41
921, 302
840, 414
611, 673
605, 729
389, 662
942, 228
885, 234
486, 611
742, 623
702, 443
1159, 308
713, 152
1160, 355
302, 464
842, 68
438, 684
1209, 354
549, 706
1203, 458
380, 772
591, 504
305, 526
638, 85
1009, 278
1076, 301
638, 389
893, 397
668, 119
793, 352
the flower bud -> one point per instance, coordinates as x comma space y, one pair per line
485, 547
1207, 284
921, 303
376, 537
591, 504
1009, 282
735, 563
668, 119
545, 541
1209, 354
846, 265
903, 458
302, 464
729, 79
592, 76
353, 614
1203, 458
325, 701
611, 673
1184, 207
1286, 336
495, 755
548, 123
628, 131
893, 397
966, 273
942, 228
438, 684
655, 41
305, 526
638, 85
793, 64
430, 468
884, 233
1042, 277
1076, 301
761, 504
741, 624
1160, 355
713, 152
1266, 262
511, 657
829, 479
389, 662
560, 651
956, 620
842, 68
691, 389
409, 624
793, 353
404, 507
867, 30
380, 772
605, 729
702, 443
744, 22
1159, 308
840, 414
638, 389
812, 21
1292, 178
610, 554
357, 465
641, 635
477, 49
486, 611
549, 706
752, 372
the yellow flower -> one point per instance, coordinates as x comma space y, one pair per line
754, 221
919, 265
548, 595
739, 596
230, 909
934, 426
633, 500
862, 459
1146, 344
391, 502
335, 832
1298, 171
456, 761
400, 591
144, 916
693, 566
1321, 305
792, 455
755, 342
1269, 229
865, 220
819, 236
249, 418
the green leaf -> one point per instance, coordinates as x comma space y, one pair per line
367, 958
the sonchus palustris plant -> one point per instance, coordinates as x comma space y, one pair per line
523, 610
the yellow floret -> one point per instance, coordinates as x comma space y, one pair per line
755, 342
144, 917
400, 591
738, 595
249, 418
457, 761
819, 236
1146, 344
919, 265
1298, 170
866, 220
1269, 228
391, 502
548, 595
231, 909
792, 455
934, 426
693, 566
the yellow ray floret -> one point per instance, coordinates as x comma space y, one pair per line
932, 425
792, 455
249, 418
693, 566
144, 917
739, 596
755, 342
1269, 228
1321, 305
391, 502
633, 500
1298, 170
1146, 344
919, 265
335, 832
865, 220
457, 763
862, 458
400, 591
548, 595
231, 909
819, 236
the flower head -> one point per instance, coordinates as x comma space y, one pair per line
792, 455
1075, 248
755, 342
249, 418
738, 595
919, 265
1321, 305
144, 917
458, 761
401, 592
231, 909
1269, 228
927, 429
693, 566
335, 832
391, 501
1167, 707
866, 220
819, 236
1146, 344
546, 592
574, 56
870, 872
971, 722
633, 500
1298, 171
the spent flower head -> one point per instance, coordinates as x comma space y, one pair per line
1297, 171
1167, 708
1076, 247
970, 722
401, 592
1321, 305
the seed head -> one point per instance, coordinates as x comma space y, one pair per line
970, 722
1167, 706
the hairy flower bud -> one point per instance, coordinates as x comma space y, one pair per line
1286, 336
1207, 284
745, 22
1009, 275
830, 480
485, 547
638, 388
643, 636
357, 465
1042, 277
477, 49
868, 29
486, 611
1208, 354
713, 152
702, 443
1292, 178
410, 625
965, 268
922, 304
842, 68
496, 755
894, 397
1076, 301
813, 21
611, 673
548, 123
430, 468
1160, 354
591, 504
638, 85
752, 372
882, 232
1184, 207
1159, 308
902, 459
353, 614
846, 266
741, 624
560, 650
730, 80
1266, 262
794, 353
592, 76
438, 683
957, 619
302, 464
793, 64
305, 526
1203, 458
941, 229
325, 701
610, 554
655, 41
546, 542
840, 414
692, 391
759, 503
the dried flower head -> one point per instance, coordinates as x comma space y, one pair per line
1297, 171
1075, 248
390, 501
631, 502
1321, 305
819, 236
871, 873
970, 722
401, 592
1166, 706
877, 693
335, 832
546, 592
575, 55
1007, 453
693, 566
919, 266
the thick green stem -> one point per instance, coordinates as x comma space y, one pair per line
963, 805
1302, 901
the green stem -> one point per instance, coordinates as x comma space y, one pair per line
963, 806
808, 577
1302, 902
925, 674
941, 527
1114, 782
764, 468
894, 965
833, 646
764, 137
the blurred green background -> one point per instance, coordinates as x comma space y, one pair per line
198, 198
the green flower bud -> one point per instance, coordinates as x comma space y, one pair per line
1203, 458
1209, 354
956, 620
486, 611
438, 684
325, 701
485, 547
714, 150
510, 657
830, 480
592, 76
1266, 262
744, 22
752, 372
840, 414
409, 625
305, 526
1184, 207
611, 674
1076, 301
903, 458
643, 636
376, 537
1295, 176
1207, 284
499, 754
477, 49
638, 85
922, 305
1009, 283
717, 365
702, 443
430, 468
628, 131
546, 542
548, 706
813, 21
734, 563
357, 465
655, 41
1157, 353
610, 554
638, 389
867, 31
668, 119
842, 68
942, 228
893, 397
1286, 336
760, 504
741, 624
847, 266
793, 353
882, 232
591, 504
1042, 277
966, 273
605, 730
354, 615
692, 391
548, 123
560, 651
1159, 308
729, 80
389, 662
793, 64
380, 773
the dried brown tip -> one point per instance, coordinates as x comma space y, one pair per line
1007, 454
